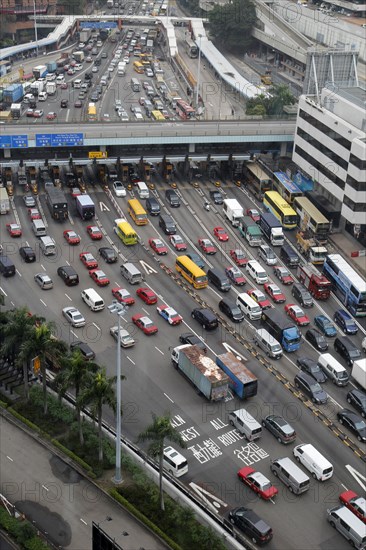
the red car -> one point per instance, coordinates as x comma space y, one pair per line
99, 277
75, 192
207, 246
170, 315
296, 313
14, 229
221, 234
145, 324
275, 293
65, 85
238, 256
283, 274
147, 295
94, 232
34, 214
259, 297
51, 116
88, 260
235, 276
257, 482
178, 243
356, 504
123, 296
254, 214
158, 246
71, 237
30, 113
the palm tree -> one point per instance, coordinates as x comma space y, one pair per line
41, 343
75, 374
158, 432
15, 332
98, 392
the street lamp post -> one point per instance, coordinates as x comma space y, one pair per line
119, 310
199, 70
35, 25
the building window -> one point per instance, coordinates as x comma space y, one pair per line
355, 184
354, 206
326, 130
329, 175
322, 148
361, 164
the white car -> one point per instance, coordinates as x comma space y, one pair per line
78, 67
118, 104
123, 115
119, 189
126, 339
139, 116
73, 316
126, 59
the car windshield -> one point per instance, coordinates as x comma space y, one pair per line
316, 387
349, 323
360, 425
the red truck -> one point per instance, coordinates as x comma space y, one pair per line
318, 285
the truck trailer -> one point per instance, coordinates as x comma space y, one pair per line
241, 380
359, 372
202, 371
318, 285
85, 207
282, 329
4, 201
57, 203
271, 228
13, 93
308, 246
233, 211
250, 231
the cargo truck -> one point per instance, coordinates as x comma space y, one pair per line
40, 71
16, 110
85, 35
233, 211
271, 228
241, 380
359, 372
57, 203
4, 201
282, 329
13, 94
308, 246
202, 371
85, 207
318, 285
51, 67
51, 88
250, 231
78, 56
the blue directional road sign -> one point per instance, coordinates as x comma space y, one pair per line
14, 142
59, 140
98, 24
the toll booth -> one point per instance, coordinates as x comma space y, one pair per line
167, 170
79, 174
125, 173
8, 177
32, 171
145, 170
55, 173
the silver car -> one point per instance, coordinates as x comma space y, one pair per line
73, 316
44, 281
126, 339
29, 201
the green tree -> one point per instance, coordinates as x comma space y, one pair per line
257, 106
75, 373
158, 433
231, 24
98, 392
280, 96
41, 343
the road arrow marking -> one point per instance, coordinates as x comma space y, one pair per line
356, 474
103, 207
233, 350
147, 267
212, 501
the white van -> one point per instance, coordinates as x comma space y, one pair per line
48, 246
39, 228
142, 190
319, 467
333, 369
257, 272
267, 343
92, 299
249, 306
60, 79
245, 424
174, 462
77, 83
349, 525
42, 96
131, 273
291, 475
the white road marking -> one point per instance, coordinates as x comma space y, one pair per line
344, 487
96, 326
46, 488
67, 262
3, 291
42, 266
20, 275
83, 521
167, 396
9, 458
157, 349
67, 296
147, 267
74, 334
212, 501
45, 305
356, 474
103, 207
27, 243
67, 115
233, 350
129, 358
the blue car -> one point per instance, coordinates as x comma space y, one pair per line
325, 325
345, 321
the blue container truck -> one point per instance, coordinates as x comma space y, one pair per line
282, 329
272, 228
51, 66
241, 380
13, 93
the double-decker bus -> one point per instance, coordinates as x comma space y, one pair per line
184, 110
258, 180
125, 232
274, 203
310, 218
92, 112
191, 272
137, 212
348, 285
191, 47
285, 187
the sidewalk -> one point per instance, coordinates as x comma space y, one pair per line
57, 499
345, 245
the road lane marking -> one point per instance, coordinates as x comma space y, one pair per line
67, 296
147, 267
20, 275
83, 521
44, 269
167, 396
233, 350
74, 334
129, 358
9, 458
344, 487
159, 350
3, 291
96, 326
356, 474
103, 207
46, 488
45, 305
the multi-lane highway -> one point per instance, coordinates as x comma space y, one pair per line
215, 451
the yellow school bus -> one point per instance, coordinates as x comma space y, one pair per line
191, 272
156, 115
138, 67
137, 212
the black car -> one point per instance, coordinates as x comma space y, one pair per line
206, 318
108, 254
230, 309
68, 275
196, 259
216, 197
302, 295
190, 338
316, 339
27, 253
310, 387
64, 103
311, 367
251, 524
354, 423
280, 428
86, 351
347, 349
357, 398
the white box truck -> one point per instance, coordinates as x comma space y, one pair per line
359, 372
233, 211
